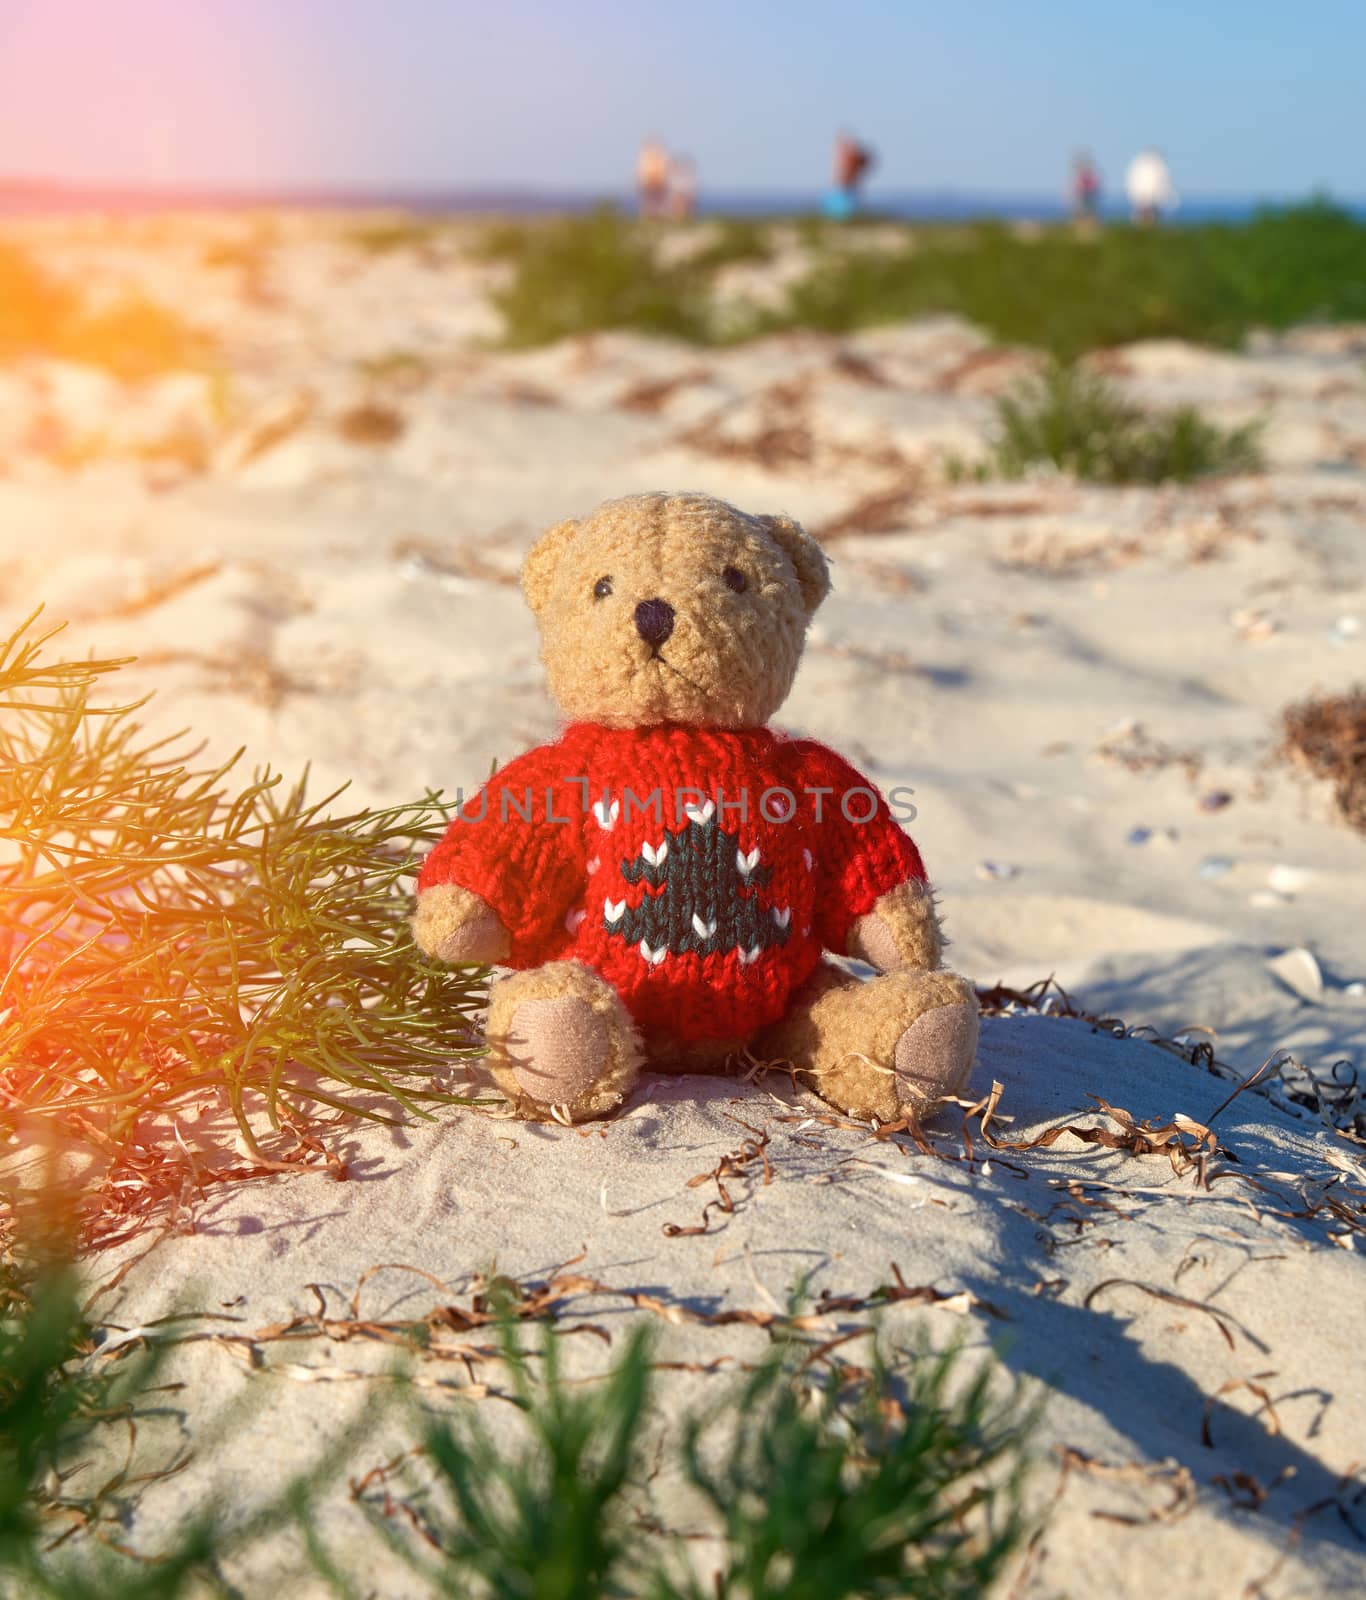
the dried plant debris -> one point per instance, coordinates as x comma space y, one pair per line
371, 423
1169, 1478
1185, 1142
156, 589
1326, 737
778, 443
799, 1487
1051, 554
1334, 1096
779, 434
737, 1164
451, 563
254, 675
883, 511
1131, 746
458, 1330
928, 1445
651, 396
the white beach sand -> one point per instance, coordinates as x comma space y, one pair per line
1061, 672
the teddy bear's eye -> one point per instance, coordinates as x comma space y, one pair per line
602, 588
735, 579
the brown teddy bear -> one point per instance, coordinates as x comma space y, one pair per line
666, 876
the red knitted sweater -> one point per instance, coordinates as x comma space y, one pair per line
701, 871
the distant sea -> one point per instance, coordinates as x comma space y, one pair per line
19, 197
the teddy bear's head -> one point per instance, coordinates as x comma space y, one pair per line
673, 608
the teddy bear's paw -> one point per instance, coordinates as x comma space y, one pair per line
557, 1049
901, 931
452, 924
933, 1057
562, 1045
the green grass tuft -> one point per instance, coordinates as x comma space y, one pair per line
52, 1412
579, 275
904, 1484
891, 1482
1078, 423
544, 1519
165, 931
67, 1412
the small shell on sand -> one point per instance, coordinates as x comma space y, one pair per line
1298, 970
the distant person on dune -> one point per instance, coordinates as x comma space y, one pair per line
853, 162
682, 189
652, 178
1085, 188
1148, 184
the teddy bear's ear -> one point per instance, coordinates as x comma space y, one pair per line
813, 571
538, 570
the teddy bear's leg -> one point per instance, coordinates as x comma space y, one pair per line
898, 1042
562, 1046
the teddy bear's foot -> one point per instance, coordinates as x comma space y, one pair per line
898, 1043
562, 1046
934, 1056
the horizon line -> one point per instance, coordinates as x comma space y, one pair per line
12, 185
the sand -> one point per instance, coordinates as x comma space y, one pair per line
1069, 677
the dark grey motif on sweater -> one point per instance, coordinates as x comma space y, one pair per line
702, 897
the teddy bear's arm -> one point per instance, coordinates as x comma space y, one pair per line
497, 886
902, 930
453, 924
873, 901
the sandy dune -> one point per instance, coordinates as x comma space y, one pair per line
1080, 684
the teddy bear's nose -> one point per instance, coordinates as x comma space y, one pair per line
654, 621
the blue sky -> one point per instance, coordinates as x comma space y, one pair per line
1255, 98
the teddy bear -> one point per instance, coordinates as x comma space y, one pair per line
668, 879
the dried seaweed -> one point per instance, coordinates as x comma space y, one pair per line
1255, 1387
899, 1292
1327, 737
441, 1333
1132, 747
1347, 1508
371, 423
425, 559
1221, 1319
883, 511
777, 445
1170, 1476
1185, 1142
157, 591
650, 396
734, 1164
148, 1182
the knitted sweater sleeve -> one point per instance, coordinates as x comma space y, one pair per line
860, 852
518, 845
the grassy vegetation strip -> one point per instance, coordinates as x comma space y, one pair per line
1064, 291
